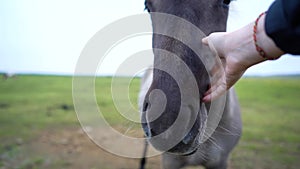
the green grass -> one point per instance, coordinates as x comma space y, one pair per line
270, 112
31, 103
109, 104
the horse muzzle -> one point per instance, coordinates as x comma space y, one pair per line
182, 137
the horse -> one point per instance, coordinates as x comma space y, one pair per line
173, 116
6, 76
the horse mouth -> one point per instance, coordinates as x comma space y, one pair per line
191, 141
184, 148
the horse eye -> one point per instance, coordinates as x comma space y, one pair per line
226, 2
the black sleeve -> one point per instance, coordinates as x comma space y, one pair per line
283, 25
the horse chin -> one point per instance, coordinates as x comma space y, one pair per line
188, 144
184, 150
191, 142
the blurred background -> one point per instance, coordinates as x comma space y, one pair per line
40, 42
46, 37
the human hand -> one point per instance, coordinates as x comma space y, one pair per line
226, 73
237, 53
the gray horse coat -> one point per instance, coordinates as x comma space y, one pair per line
174, 118
214, 152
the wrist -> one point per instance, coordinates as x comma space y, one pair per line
263, 43
241, 47
241, 50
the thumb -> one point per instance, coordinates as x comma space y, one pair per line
205, 40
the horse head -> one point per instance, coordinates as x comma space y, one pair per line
173, 115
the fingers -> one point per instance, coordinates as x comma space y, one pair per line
207, 98
221, 84
218, 87
218, 80
214, 93
208, 92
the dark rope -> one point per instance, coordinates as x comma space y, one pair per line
144, 158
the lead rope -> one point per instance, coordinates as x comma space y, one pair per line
143, 159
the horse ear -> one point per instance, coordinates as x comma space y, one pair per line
151, 4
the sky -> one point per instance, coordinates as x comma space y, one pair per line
47, 37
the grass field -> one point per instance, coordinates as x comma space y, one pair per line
31, 106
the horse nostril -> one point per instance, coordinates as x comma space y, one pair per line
146, 106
